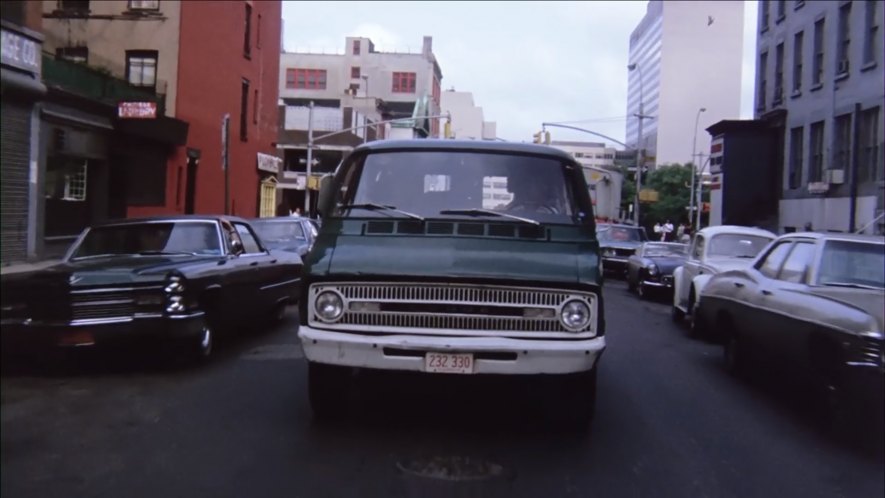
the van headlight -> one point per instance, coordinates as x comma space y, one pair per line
329, 306
575, 315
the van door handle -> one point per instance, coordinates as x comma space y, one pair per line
273, 261
254, 263
766, 292
739, 285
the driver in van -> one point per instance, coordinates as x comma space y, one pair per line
531, 193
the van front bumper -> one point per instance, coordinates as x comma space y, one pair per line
492, 355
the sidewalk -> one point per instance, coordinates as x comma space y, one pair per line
25, 267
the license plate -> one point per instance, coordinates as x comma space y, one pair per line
448, 363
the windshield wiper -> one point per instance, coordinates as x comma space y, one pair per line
488, 212
851, 285
381, 207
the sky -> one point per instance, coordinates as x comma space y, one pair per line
524, 62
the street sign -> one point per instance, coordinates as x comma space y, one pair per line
269, 163
649, 195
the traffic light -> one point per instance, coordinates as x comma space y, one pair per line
547, 137
537, 137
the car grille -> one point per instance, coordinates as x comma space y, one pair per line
624, 252
451, 308
667, 280
115, 303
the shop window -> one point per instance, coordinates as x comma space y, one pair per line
144, 4
66, 179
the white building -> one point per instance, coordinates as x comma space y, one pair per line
687, 56
602, 176
819, 85
467, 118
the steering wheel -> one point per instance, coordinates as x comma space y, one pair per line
534, 207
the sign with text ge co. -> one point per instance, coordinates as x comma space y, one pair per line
137, 110
19, 51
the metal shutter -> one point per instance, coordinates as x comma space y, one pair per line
15, 133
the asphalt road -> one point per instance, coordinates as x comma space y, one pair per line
670, 422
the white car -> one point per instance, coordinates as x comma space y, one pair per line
713, 250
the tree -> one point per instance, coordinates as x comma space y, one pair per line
673, 185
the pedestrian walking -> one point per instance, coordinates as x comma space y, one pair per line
667, 229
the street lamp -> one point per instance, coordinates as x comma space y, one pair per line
639, 161
695, 158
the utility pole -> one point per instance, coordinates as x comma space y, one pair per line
639, 158
309, 160
694, 165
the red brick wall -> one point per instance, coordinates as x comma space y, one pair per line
211, 67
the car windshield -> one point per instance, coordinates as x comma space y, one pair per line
665, 250
849, 262
736, 245
622, 234
174, 237
278, 231
430, 184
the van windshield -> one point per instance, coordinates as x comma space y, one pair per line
426, 183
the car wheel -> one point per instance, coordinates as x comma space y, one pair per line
735, 352
642, 290
327, 388
631, 286
198, 349
696, 328
278, 313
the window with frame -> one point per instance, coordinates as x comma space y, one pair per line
308, 79
244, 110
772, 262
844, 37
764, 14
141, 68
798, 4
817, 69
781, 10
74, 6
247, 35
355, 72
258, 32
798, 41
795, 267
697, 250
778, 74
403, 82
870, 167
73, 54
250, 243
797, 144
290, 78
356, 47
763, 82
842, 142
144, 4
872, 40
255, 107
816, 152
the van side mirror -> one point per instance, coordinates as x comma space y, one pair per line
327, 193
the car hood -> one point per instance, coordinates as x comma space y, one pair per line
870, 301
430, 257
724, 263
113, 270
667, 264
619, 245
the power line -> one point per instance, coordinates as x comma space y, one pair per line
594, 120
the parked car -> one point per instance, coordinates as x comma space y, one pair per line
652, 266
617, 243
415, 270
293, 234
713, 250
815, 304
177, 279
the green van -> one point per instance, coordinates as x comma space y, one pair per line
454, 257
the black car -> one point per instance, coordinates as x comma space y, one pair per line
168, 279
294, 234
617, 243
652, 266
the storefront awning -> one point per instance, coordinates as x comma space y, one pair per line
162, 129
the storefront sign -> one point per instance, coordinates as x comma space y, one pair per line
20, 52
269, 163
137, 110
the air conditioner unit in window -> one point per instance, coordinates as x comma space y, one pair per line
818, 187
836, 176
843, 67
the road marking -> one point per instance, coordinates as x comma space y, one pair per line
274, 352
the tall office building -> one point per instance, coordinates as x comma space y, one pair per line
687, 56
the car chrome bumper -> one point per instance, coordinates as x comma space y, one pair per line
406, 352
153, 327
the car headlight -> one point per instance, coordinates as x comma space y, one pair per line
653, 269
174, 289
174, 284
329, 306
575, 315
608, 252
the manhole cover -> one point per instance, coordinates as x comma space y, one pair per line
451, 468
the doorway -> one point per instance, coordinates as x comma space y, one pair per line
190, 193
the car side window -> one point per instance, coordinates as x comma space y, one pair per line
250, 243
771, 263
230, 235
697, 249
796, 266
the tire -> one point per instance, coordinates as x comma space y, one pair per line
278, 314
692, 312
696, 326
734, 352
198, 350
677, 315
642, 290
631, 286
327, 389
580, 400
